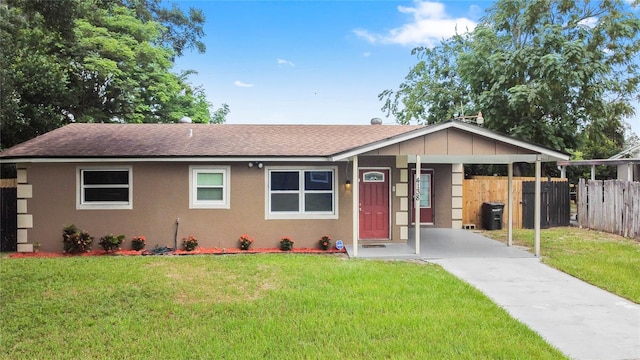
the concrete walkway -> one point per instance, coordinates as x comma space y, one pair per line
581, 320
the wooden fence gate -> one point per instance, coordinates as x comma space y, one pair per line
8, 219
554, 204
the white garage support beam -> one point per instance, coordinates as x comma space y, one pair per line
536, 209
509, 204
355, 188
416, 202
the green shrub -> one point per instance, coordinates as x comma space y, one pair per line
111, 242
286, 244
75, 240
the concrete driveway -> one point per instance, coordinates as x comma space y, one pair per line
581, 320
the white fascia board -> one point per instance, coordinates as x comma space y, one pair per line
163, 159
599, 162
477, 159
633, 151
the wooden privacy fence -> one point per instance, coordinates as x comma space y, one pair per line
612, 206
481, 189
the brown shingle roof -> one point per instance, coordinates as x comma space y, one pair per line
224, 140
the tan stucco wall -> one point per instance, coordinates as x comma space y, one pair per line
442, 188
161, 195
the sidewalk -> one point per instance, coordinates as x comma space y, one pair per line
581, 320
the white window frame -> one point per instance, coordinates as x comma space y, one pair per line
225, 203
81, 204
301, 214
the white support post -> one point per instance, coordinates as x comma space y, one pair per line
355, 188
536, 209
593, 172
416, 202
629, 172
510, 204
563, 172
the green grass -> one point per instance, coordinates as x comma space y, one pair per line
608, 261
250, 307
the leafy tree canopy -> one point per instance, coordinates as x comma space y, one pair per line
541, 70
95, 61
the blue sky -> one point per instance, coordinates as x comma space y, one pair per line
317, 62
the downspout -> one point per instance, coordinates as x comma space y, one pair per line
175, 238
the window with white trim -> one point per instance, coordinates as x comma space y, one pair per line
209, 187
104, 188
301, 193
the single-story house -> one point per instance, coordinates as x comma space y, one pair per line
627, 163
355, 183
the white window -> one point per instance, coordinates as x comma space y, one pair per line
104, 188
209, 187
374, 176
301, 193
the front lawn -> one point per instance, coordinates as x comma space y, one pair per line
250, 307
608, 261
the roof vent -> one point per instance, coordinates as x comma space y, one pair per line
185, 120
376, 121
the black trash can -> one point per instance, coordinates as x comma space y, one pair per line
492, 215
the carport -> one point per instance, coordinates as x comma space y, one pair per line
448, 145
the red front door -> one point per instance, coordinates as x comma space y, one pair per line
426, 196
374, 204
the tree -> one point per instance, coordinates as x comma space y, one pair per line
540, 70
107, 62
182, 31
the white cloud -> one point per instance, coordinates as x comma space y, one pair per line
429, 24
366, 54
242, 84
285, 62
589, 22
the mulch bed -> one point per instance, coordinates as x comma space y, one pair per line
198, 251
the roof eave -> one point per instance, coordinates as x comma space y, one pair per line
31, 160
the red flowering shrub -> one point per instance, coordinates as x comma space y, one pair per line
245, 242
286, 243
190, 243
138, 243
325, 242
